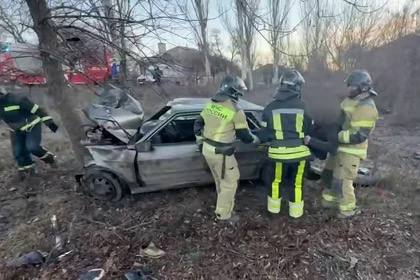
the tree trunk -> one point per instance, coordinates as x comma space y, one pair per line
57, 90
205, 49
242, 39
117, 40
123, 56
275, 73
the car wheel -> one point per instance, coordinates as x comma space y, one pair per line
103, 185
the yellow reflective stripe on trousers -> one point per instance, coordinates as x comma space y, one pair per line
34, 109
299, 125
347, 207
275, 186
21, 168
277, 126
31, 124
46, 118
299, 181
11, 108
344, 136
361, 152
368, 124
273, 205
328, 197
296, 209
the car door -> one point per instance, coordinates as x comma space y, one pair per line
173, 164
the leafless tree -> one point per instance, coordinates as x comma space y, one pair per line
317, 17
198, 21
232, 30
246, 22
14, 19
353, 31
216, 44
278, 13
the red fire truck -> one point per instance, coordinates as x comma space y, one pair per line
22, 63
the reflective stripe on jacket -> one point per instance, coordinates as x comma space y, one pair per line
286, 124
19, 113
358, 116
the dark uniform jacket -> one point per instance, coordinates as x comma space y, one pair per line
19, 113
286, 122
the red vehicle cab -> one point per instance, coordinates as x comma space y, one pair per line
21, 63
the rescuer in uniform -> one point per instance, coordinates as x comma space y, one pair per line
358, 119
219, 124
285, 124
24, 120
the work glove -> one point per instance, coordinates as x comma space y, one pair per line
255, 139
307, 140
51, 125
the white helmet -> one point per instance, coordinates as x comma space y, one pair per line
3, 90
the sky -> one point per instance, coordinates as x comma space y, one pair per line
262, 46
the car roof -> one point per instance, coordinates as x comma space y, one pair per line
196, 104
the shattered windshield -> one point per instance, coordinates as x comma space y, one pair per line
119, 99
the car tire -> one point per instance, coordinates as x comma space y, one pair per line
103, 185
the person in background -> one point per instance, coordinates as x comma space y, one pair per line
24, 119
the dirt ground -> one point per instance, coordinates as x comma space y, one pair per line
381, 243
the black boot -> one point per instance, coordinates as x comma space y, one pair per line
26, 173
49, 159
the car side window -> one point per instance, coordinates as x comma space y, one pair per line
178, 130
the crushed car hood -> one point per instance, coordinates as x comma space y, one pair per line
117, 112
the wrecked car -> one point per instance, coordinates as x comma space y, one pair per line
129, 155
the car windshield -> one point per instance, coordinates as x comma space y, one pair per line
119, 99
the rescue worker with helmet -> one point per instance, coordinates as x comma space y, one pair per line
24, 119
358, 119
219, 124
285, 124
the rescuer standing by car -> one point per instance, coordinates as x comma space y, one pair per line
24, 119
285, 123
358, 119
220, 122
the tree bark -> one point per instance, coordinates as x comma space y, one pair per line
206, 52
241, 38
57, 90
123, 56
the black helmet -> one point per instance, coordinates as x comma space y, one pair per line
359, 79
292, 80
230, 87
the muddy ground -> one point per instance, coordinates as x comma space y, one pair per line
381, 243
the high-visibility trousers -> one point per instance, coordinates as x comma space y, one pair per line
338, 176
27, 143
285, 180
226, 180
